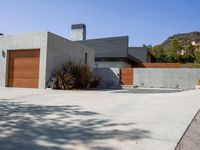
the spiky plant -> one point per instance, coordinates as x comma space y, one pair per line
64, 80
75, 76
81, 73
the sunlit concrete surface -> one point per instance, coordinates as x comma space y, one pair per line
100, 120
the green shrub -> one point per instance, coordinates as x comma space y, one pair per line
199, 82
75, 76
196, 65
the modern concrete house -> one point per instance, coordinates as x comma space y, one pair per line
29, 60
111, 51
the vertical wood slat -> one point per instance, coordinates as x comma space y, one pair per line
126, 76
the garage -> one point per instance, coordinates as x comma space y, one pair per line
23, 68
29, 60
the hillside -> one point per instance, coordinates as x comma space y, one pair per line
183, 37
182, 48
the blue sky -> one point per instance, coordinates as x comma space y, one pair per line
144, 21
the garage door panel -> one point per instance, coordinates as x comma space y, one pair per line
25, 53
23, 68
24, 62
24, 83
27, 75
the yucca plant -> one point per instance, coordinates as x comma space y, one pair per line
64, 80
75, 76
81, 74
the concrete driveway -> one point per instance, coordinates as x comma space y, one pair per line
33, 119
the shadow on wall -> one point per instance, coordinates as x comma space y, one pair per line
109, 77
27, 126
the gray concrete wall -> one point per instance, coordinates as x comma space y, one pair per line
182, 78
61, 50
19, 42
109, 77
114, 64
78, 34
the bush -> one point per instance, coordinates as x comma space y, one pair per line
195, 65
74, 76
199, 82
197, 57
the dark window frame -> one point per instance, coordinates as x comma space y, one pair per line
86, 57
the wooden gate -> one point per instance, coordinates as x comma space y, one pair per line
126, 76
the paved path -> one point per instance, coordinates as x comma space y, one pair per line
191, 138
87, 120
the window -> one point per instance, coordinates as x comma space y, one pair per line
86, 58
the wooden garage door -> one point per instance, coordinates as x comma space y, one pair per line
23, 68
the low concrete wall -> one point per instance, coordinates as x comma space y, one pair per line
109, 77
180, 78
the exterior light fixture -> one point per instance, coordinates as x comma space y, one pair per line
3, 54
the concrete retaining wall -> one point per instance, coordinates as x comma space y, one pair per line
109, 77
182, 78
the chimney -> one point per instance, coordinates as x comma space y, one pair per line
78, 32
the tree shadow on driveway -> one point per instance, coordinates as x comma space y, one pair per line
29, 126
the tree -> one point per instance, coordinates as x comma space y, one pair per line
159, 54
173, 51
149, 47
197, 56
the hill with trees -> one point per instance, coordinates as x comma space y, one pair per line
184, 37
179, 48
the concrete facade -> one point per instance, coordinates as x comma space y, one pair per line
109, 77
111, 52
54, 52
60, 50
19, 42
78, 32
182, 78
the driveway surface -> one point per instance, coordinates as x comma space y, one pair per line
191, 138
32, 119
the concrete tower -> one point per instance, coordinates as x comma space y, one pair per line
78, 32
